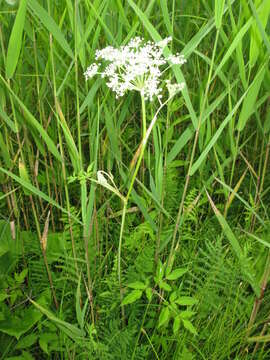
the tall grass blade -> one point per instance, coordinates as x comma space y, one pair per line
15, 41
250, 99
37, 192
219, 9
258, 31
50, 25
233, 46
33, 122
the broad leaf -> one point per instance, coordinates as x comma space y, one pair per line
132, 297
175, 274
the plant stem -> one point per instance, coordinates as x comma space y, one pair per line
125, 200
146, 134
181, 206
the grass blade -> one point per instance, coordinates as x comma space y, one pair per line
219, 8
233, 46
37, 192
50, 25
15, 41
215, 137
250, 99
35, 124
258, 29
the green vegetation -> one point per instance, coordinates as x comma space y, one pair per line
116, 248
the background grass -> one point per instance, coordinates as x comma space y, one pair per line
201, 197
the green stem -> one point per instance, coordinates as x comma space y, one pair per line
192, 157
125, 200
120, 248
146, 134
142, 149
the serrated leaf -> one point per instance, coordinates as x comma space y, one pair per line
138, 285
164, 316
175, 274
188, 325
132, 297
186, 301
19, 278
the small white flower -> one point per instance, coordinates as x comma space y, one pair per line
173, 89
91, 71
164, 42
135, 66
177, 59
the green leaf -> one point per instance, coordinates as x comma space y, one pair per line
19, 278
217, 134
186, 301
50, 25
45, 340
177, 273
15, 41
132, 297
79, 312
258, 31
34, 123
3, 296
164, 316
176, 324
179, 144
149, 293
37, 192
70, 330
19, 323
233, 46
7, 120
186, 314
166, 16
250, 99
26, 341
173, 296
219, 9
138, 285
159, 271
188, 325
163, 285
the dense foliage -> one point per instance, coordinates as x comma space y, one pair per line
116, 248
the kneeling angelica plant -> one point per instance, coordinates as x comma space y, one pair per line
138, 66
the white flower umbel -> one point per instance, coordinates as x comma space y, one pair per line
173, 89
135, 66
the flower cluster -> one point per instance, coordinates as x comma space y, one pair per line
135, 66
